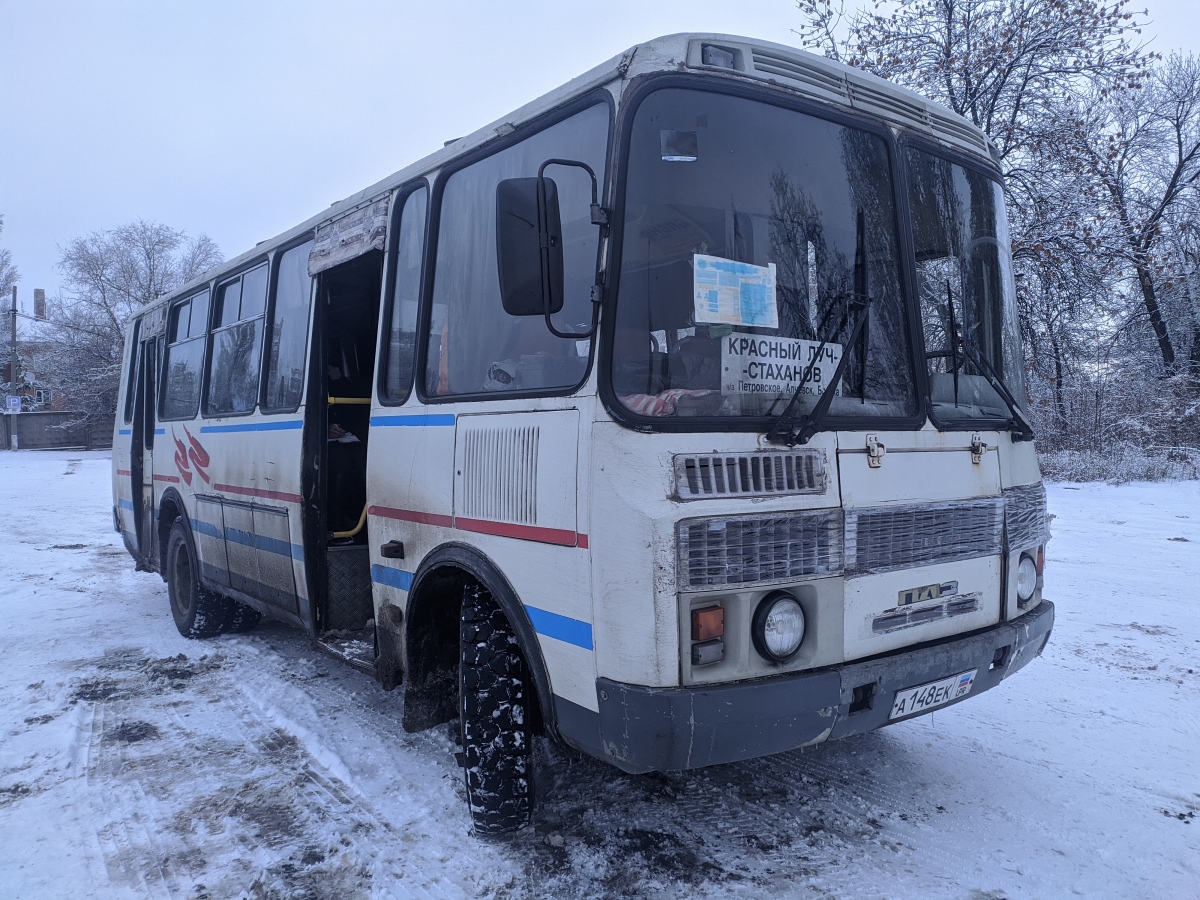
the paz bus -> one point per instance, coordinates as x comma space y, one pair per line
678, 416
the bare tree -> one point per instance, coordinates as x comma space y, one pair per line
107, 276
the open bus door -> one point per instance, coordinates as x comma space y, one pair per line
346, 321
141, 451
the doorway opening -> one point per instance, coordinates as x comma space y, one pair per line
348, 299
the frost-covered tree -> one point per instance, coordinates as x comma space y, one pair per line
1099, 143
999, 63
8, 272
1137, 153
107, 276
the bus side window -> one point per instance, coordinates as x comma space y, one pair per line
236, 347
131, 382
400, 346
477, 348
186, 328
289, 331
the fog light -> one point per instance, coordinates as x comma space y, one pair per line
778, 626
707, 653
1027, 576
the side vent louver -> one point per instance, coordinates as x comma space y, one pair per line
500, 474
701, 476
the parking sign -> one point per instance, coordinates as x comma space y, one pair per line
14, 404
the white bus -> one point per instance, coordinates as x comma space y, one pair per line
677, 416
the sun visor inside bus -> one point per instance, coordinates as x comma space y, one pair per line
349, 237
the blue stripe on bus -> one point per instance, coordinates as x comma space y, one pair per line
396, 578
160, 431
260, 542
416, 421
561, 628
125, 504
124, 431
201, 527
290, 425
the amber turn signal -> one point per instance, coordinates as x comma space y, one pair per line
708, 623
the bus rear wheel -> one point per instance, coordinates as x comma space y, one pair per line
198, 613
494, 703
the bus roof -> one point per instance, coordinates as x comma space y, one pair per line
741, 59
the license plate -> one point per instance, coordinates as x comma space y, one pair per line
936, 693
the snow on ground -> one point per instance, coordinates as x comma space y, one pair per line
135, 763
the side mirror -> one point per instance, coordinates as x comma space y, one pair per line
529, 251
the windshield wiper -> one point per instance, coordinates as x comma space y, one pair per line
791, 429
1022, 427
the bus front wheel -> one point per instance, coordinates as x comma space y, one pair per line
198, 613
494, 704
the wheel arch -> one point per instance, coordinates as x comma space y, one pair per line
429, 625
170, 507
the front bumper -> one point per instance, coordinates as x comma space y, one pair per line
666, 729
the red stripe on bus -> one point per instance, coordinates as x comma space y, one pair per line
170, 479
259, 492
559, 536
124, 472
408, 515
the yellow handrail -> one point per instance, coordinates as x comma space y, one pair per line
350, 401
362, 520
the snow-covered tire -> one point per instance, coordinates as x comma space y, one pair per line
494, 703
241, 617
198, 613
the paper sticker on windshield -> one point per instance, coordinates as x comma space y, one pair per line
775, 365
734, 293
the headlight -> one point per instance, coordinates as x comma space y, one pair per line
1026, 578
778, 626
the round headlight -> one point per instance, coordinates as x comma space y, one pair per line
1026, 578
778, 626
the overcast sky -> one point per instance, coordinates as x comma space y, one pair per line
241, 119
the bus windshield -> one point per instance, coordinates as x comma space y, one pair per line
753, 235
965, 285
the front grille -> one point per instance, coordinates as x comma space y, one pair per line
884, 538
778, 473
1025, 516
751, 550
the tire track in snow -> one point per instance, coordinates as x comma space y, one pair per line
416, 768
132, 855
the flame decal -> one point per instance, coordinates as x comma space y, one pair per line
186, 456
198, 455
181, 460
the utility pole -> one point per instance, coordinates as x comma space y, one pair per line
12, 373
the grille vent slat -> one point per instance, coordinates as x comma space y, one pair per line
863, 95
956, 130
1025, 516
748, 550
761, 474
500, 474
769, 63
884, 538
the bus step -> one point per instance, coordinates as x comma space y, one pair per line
354, 647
